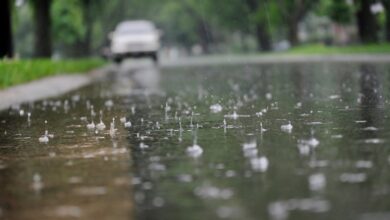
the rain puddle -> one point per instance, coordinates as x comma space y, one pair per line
286, 141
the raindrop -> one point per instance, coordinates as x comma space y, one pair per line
287, 127
185, 178
363, 164
91, 125
353, 177
216, 108
112, 128
143, 146
93, 113
249, 145
278, 211
101, 125
67, 211
158, 202
233, 116
194, 151
268, 96
262, 129
37, 183
29, 118
374, 141
317, 182
259, 164
109, 103
371, 128
157, 125
225, 212
44, 138
133, 109
298, 105
127, 124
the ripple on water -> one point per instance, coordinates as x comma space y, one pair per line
215, 108
370, 128
374, 141
185, 178
91, 190
353, 177
317, 181
259, 164
363, 164
207, 191
194, 151
68, 211
280, 210
287, 127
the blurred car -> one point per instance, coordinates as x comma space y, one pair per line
137, 38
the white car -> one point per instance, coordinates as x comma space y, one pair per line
135, 39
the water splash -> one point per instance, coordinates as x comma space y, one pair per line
101, 125
287, 127
215, 108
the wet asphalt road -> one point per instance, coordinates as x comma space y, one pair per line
242, 141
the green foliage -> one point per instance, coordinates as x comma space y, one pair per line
177, 30
23, 31
340, 11
324, 50
68, 24
14, 72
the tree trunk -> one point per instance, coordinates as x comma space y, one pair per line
42, 28
263, 38
386, 5
205, 36
262, 35
293, 33
202, 27
387, 26
87, 16
366, 22
6, 49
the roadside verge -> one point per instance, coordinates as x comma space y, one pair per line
49, 87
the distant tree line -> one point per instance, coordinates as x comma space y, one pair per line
80, 27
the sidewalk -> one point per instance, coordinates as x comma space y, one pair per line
48, 87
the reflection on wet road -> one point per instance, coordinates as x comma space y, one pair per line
266, 141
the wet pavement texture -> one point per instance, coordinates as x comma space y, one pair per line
265, 141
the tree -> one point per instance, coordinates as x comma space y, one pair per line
88, 20
6, 49
257, 11
367, 23
179, 30
202, 26
293, 11
386, 5
339, 11
90, 9
42, 20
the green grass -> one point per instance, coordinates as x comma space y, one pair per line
328, 50
13, 72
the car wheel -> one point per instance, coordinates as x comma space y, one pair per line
154, 57
117, 60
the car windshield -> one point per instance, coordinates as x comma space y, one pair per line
134, 28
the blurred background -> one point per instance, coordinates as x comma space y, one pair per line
80, 28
